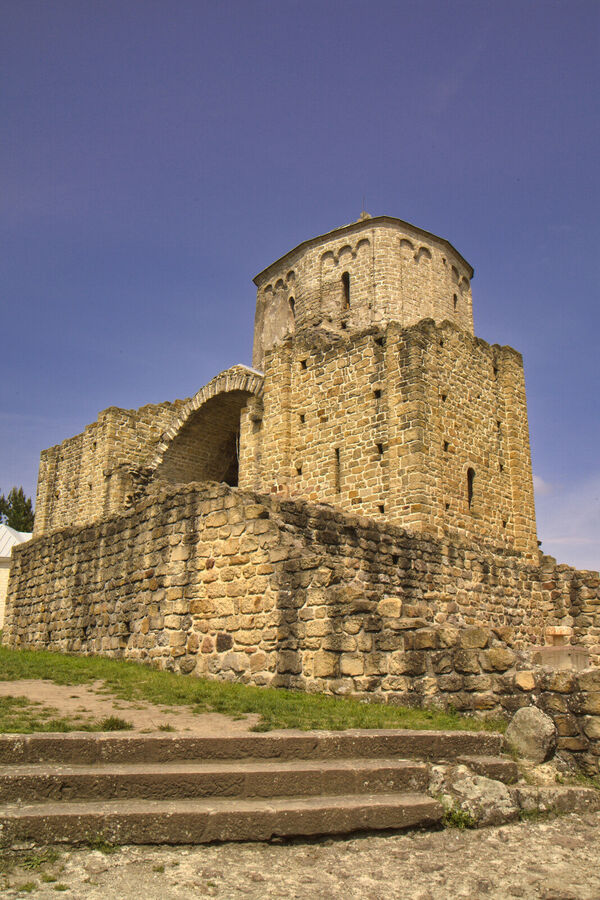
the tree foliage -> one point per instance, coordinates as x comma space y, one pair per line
16, 510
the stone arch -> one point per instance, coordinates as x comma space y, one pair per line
202, 444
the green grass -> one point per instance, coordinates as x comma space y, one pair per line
277, 708
455, 817
21, 715
114, 723
100, 844
39, 858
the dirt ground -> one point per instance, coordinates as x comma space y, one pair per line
555, 859
558, 859
89, 700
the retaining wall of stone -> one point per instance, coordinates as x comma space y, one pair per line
231, 584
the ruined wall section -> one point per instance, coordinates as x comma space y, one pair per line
369, 273
390, 424
87, 476
234, 585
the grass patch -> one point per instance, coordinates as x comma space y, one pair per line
538, 815
114, 723
276, 707
455, 817
40, 858
102, 845
20, 715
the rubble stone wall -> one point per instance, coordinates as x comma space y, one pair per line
86, 477
231, 584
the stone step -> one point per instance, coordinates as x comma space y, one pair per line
230, 778
499, 767
79, 747
199, 821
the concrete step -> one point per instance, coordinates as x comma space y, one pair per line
78, 747
229, 778
499, 767
199, 821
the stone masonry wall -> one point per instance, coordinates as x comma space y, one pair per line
231, 584
393, 270
87, 476
389, 424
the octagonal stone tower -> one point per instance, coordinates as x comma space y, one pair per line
371, 272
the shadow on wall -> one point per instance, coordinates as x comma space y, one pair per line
207, 447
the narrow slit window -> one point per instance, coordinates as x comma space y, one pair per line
292, 303
455, 301
470, 485
380, 449
346, 289
337, 472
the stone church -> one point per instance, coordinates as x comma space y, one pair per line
354, 513
369, 391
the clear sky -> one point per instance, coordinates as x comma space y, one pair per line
157, 154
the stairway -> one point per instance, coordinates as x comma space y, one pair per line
149, 789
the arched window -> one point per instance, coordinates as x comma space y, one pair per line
470, 482
346, 287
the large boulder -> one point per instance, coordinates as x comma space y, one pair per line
484, 800
532, 734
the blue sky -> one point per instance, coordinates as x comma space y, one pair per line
158, 153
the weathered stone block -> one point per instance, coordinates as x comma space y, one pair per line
475, 637
324, 664
497, 659
591, 727
390, 606
589, 680
423, 639
590, 703
525, 680
466, 661
224, 642
533, 734
289, 661
351, 665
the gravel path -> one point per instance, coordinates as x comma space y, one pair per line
557, 859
